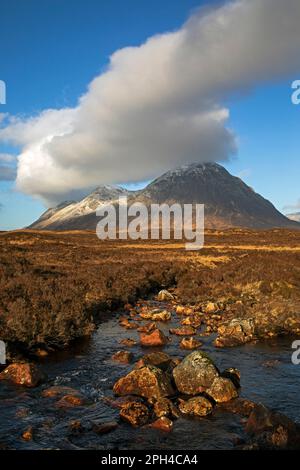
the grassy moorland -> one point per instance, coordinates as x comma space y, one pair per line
54, 285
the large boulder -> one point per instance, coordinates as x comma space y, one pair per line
147, 382
195, 374
222, 390
155, 338
197, 406
26, 374
237, 331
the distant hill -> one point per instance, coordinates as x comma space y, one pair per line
228, 201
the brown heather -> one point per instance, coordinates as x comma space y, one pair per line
54, 286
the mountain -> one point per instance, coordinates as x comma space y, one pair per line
295, 216
70, 215
228, 201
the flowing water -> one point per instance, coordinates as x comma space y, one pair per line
267, 376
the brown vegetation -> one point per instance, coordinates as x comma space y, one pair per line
55, 285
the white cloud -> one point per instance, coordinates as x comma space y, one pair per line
161, 104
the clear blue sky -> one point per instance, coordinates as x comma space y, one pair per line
51, 49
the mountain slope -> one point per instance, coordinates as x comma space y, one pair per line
295, 216
228, 201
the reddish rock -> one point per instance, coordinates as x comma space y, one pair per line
239, 406
70, 401
183, 331
147, 382
150, 326
237, 331
28, 434
59, 391
197, 406
156, 315
75, 426
194, 321
129, 342
129, 325
222, 390
164, 407
210, 308
26, 374
155, 338
162, 424
124, 357
135, 413
190, 343
182, 310
272, 430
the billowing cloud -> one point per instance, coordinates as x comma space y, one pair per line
7, 172
161, 104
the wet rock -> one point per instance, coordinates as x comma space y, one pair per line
135, 413
194, 321
147, 328
164, 407
26, 374
164, 295
70, 401
129, 325
233, 374
75, 426
195, 373
104, 428
222, 390
59, 391
210, 308
27, 435
183, 310
155, 338
163, 424
158, 359
122, 401
156, 315
129, 342
237, 331
22, 412
272, 430
271, 363
239, 406
190, 343
41, 352
124, 357
197, 406
162, 316
183, 331
147, 382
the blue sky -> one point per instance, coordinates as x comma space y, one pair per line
51, 50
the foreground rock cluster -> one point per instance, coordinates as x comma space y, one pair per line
161, 387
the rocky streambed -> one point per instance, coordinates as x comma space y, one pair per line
157, 375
